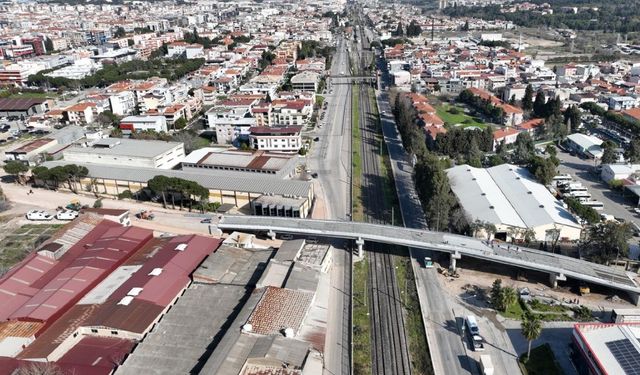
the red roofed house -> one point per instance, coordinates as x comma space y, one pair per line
534, 127
81, 113
512, 115
506, 135
632, 114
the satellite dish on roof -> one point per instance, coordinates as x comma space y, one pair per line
247, 328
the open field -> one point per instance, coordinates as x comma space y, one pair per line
19, 243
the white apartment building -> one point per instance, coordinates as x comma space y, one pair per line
276, 139
131, 124
123, 103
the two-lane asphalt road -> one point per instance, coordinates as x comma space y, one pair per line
331, 155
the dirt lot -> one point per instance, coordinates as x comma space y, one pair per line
484, 274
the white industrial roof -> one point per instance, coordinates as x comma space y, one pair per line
506, 194
603, 341
587, 142
125, 147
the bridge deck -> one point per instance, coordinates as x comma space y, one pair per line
506, 254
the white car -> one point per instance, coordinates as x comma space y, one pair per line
66, 215
39, 215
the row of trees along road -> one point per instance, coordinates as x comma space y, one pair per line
53, 177
174, 187
432, 183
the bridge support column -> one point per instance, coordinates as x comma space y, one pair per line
360, 244
453, 260
271, 234
554, 278
635, 298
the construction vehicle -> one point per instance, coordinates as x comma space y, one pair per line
145, 215
584, 290
75, 205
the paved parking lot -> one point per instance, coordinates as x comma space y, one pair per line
614, 202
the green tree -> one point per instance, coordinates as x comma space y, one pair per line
531, 330
434, 190
523, 148
607, 241
120, 32
413, 29
609, 155
160, 185
48, 44
632, 153
573, 117
180, 123
399, 31
16, 169
508, 297
543, 169
495, 294
527, 100
539, 109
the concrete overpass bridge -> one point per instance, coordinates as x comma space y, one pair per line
559, 267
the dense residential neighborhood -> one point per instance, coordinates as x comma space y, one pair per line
335, 187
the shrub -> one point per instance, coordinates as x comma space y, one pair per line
127, 194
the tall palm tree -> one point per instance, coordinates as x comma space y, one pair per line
508, 296
531, 330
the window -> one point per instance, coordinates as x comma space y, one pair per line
114, 332
93, 330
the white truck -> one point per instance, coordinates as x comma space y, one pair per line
38, 215
486, 366
66, 215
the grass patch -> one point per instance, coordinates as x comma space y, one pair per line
515, 311
444, 111
361, 323
543, 307
357, 208
518, 310
414, 325
542, 362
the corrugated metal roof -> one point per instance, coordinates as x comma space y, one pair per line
79, 269
506, 194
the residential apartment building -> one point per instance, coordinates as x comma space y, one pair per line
276, 139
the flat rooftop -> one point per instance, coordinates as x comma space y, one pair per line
222, 158
615, 346
125, 147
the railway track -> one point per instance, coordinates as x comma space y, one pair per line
389, 349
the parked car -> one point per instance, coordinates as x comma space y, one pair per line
38, 215
205, 221
286, 236
428, 263
66, 215
312, 240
